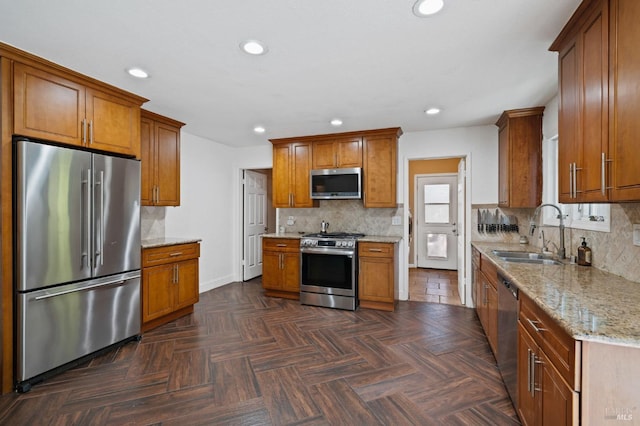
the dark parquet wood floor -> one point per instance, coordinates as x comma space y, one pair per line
245, 359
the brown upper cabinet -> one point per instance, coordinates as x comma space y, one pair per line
380, 163
341, 153
520, 157
160, 147
291, 167
375, 150
599, 103
50, 105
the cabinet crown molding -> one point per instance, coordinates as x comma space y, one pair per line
396, 131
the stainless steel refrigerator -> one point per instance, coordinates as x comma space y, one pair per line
77, 255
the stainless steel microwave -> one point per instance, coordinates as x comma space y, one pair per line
336, 184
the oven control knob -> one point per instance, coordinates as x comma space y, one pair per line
351, 243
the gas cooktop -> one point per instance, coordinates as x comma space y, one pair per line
333, 235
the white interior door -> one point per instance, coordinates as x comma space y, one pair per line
437, 213
462, 272
255, 222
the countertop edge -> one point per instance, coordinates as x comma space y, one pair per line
366, 238
167, 241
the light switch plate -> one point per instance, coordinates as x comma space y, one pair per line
636, 234
396, 220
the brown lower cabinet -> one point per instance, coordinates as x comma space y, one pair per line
170, 283
548, 370
377, 275
281, 267
486, 298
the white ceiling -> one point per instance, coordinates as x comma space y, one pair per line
370, 62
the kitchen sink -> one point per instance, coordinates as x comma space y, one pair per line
538, 261
525, 257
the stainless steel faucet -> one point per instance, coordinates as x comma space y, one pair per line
532, 227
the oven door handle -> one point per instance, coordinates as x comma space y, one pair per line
338, 252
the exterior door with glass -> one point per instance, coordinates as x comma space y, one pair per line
437, 213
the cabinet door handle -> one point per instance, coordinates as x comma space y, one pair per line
281, 245
176, 273
90, 132
604, 174
534, 324
177, 253
84, 131
529, 379
576, 169
570, 180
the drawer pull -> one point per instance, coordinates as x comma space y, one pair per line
534, 324
178, 253
281, 245
375, 250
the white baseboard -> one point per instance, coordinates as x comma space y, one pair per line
211, 284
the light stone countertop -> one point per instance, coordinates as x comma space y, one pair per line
160, 242
366, 238
590, 304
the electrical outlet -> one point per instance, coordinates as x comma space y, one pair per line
291, 221
396, 220
636, 234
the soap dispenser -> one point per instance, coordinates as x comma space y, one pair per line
584, 254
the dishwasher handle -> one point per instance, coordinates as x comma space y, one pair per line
510, 286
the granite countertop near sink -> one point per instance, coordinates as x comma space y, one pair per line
366, 238
160, 242
590, 304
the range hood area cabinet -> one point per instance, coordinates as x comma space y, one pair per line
51, 105
375, 150
338, 153
599, 103
160, 148
520, 158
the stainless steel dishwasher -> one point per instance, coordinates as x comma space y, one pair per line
508, 334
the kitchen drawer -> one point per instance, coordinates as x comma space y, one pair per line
281, 244
561, 349
169, 254
368, 249
490, 271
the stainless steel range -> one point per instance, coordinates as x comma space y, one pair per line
329, 270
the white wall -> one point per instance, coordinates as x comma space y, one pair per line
206, 208
480, 143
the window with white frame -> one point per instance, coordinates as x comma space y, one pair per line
594, 217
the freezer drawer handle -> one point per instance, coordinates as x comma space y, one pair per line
75, 290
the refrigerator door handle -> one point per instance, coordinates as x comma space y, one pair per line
87, 217
100, 246
75, 290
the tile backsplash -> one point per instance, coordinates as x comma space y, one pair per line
611, 251
152, 222
343, 216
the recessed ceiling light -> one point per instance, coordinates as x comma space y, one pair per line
138, 73
427, 7
253, 47
432, 111
259, 129
336, 122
